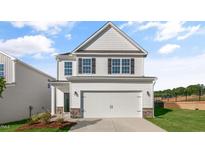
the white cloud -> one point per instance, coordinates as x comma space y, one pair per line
38, 56
51, 28
168, 48
174, 72
132, 24
68, 36
165, 30
201, 31
190, 32
35, 45
126, 24
169, 30
150, 25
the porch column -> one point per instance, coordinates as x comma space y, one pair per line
53, 99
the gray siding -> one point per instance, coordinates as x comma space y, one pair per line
31, 88
110, 39
8, 68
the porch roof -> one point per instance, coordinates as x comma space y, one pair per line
141, 79
58, 83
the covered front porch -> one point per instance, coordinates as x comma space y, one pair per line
60, 97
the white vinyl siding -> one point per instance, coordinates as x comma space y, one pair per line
1, 70
67, 68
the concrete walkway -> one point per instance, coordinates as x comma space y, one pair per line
115, 125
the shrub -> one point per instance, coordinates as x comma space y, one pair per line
41, 117
45, 117
60, 120
34, 119
2, 85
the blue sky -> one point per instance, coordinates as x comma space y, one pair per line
176, 49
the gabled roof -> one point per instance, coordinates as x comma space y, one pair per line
27, 65
11, 57
107, 25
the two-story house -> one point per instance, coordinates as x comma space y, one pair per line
103, 77
27, 91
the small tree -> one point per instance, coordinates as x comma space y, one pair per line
2, 85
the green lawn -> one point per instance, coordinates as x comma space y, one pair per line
179, 120
12, 126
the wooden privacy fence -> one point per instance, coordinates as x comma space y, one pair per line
192, 105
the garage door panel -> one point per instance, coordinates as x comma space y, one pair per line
111, 104
93, 106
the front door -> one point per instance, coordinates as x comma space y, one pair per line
66, 102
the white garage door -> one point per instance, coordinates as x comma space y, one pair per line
112, 104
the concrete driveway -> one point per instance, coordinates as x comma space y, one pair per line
115, 125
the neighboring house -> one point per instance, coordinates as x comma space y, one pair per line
26, 89
103, 77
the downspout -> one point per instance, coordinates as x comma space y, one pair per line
153, 94
55, 101
57, 69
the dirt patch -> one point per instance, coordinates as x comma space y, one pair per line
53, 124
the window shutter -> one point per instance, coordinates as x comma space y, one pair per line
109, 65
93, 65
80, 65
132, 65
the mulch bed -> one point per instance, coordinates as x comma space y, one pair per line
53, 124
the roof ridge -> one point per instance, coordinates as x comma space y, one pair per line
108, 23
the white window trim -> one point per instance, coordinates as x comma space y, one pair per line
91, 67
3, 69
71, 68
121, 67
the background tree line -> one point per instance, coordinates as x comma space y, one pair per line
197, 89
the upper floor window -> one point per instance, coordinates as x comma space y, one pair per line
68, 68
86, 65
1, 70
125, 66
120, 66
116, 66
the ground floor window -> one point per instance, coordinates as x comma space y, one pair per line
1, 70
